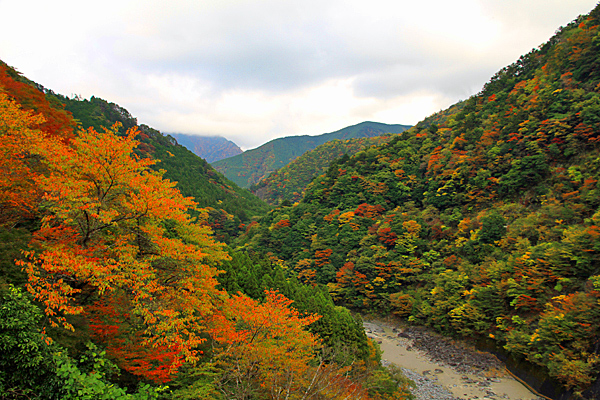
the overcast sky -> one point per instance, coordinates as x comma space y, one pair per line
255, 70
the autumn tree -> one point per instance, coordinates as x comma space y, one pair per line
112, 327
264, 346
265, 351
30, 368
57, 121
112, 226
19, 194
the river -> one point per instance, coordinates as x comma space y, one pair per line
471, 378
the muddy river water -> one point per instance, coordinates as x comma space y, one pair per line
478, 379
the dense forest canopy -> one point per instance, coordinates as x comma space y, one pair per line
480, 221
288, 183
113, 284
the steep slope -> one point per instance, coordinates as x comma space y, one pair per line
58, 122
19, 194
211, 148
117, 261
289, 182
194, 176
482, 220
252, 166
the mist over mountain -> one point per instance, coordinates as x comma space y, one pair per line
211, 148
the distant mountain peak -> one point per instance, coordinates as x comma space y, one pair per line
211, 148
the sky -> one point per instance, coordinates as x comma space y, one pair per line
255, 70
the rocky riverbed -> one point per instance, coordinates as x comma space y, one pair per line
443, 369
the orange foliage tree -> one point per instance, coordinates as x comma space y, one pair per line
57, 122
19, 195
111, 324
265, 351
263, 343
112, 226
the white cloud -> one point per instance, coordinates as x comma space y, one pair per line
253, 70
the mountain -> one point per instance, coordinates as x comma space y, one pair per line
253, 165
211, 148
108, 289
288, 183
482, 221
194, 176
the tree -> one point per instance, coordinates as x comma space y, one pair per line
111, 225
26, 364
32, 368
111, 326
493, 227
265, 351
265, 347
19, 195
56, 123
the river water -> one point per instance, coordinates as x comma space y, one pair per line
440, 381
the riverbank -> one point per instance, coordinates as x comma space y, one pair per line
444, 369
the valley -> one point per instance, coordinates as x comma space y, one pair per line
131, 268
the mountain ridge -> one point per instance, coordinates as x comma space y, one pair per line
229, 204
289, 182
253, 165
89, 213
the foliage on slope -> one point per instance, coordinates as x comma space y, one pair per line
484, 222
252, 275
253, 165
194, 176
289, 182
31, 368
57, 121
112, 254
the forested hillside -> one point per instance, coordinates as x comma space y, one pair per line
289, 182
481, 221
194, 176
253, 165
113, 285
